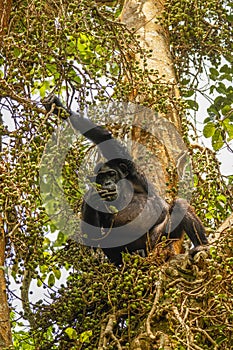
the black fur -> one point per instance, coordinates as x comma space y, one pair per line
112, 217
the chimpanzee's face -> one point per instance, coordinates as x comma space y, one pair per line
107, 179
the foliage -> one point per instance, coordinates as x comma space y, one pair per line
103, 303
219, 124
201, 44
199, 32
81, 51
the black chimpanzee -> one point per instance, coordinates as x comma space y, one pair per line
122, 212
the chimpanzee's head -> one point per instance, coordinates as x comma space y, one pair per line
107, 175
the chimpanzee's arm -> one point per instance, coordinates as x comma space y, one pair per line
90, 224
109, 147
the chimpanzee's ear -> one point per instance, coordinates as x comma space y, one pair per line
123, 167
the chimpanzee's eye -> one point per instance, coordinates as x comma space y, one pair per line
100, 178
112, 173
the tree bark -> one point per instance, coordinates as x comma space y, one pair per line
5, 329
140, 16
5, 9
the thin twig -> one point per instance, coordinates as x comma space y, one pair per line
152, 311
108, 332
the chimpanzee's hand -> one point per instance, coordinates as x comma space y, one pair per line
54, 105
93, 199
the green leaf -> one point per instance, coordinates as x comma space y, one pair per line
208, 119
39, 283
209, 129
226, 109
85, 337
230, 131
212, 110
225, 69
221, 88
60, 239
57, 273
189, 93
193, 104
43, 268
217, 140
228, 126
213, 73
52, 228
44, 87
46, 242
185, 81
17, 52
51, 280
209, 215
219, 102
222, 198
230, 18
72, 334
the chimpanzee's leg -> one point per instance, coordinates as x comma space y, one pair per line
183, 218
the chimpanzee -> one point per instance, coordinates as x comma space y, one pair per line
122, 212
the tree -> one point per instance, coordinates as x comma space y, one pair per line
5, 331
97, 53
5, 9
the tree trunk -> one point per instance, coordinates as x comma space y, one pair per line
5, 329
5, 9
164, 138
141, 15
